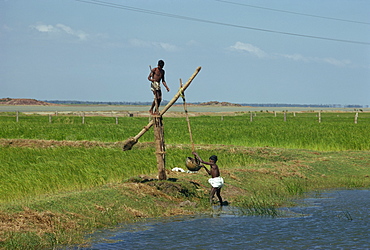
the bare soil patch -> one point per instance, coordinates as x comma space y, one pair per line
53, 143
10, 101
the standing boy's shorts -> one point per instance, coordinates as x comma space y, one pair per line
155, 86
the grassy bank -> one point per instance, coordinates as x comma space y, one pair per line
53, 192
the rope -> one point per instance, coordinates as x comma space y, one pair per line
187, 118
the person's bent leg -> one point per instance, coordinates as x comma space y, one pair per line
153, 103
159, 100
212, 194
218, 193
151, 108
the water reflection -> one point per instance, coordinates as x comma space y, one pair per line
334, 220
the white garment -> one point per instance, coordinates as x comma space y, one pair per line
178, 169
155, 86
216, 182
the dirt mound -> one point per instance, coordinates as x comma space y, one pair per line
10, 101
33, 221
216, 103
53, 143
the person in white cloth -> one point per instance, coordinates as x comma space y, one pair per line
216, 181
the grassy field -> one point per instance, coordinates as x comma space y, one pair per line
337, 131
63, 179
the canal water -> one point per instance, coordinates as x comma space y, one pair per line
334, 220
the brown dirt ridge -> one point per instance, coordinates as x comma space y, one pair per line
216, 103
21, 101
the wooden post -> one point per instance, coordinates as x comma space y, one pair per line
275, 113
160, 147
116, 119
251, 118
49, 118
83, 117
284, 116
356, 117
319, 117
17, 116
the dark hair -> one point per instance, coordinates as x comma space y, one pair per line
161, 63
213, 157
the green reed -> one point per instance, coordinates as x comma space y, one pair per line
27, 172
335, 132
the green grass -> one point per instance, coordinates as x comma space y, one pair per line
71, 128
34, 171
26, 172
265, 164
336, 132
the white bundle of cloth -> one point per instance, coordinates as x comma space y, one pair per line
216, 182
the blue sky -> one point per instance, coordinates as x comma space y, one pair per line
73, 50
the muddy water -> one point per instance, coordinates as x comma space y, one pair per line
335, 220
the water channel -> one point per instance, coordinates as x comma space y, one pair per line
338, 219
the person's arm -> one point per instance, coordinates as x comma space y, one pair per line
151, 75
197, 156
200, 159
164, 83
208, 171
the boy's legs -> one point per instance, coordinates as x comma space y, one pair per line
212, 194
156, 102
218, 193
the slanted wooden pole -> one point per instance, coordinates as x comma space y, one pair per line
130, 142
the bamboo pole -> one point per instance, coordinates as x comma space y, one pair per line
187, 118
130, 142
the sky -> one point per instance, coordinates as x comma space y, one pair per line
252, 51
